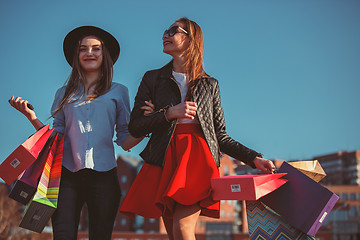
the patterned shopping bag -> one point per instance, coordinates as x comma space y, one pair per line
265, 224
42, 206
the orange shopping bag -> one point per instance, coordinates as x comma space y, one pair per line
24, 155
310, 168
245, 187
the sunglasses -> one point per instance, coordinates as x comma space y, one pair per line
173, 30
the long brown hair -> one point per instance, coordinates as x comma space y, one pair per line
194, 65
77, 76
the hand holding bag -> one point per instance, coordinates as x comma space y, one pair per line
44, 202
245, 187
24, 155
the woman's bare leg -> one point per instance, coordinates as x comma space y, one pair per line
168, 222
184, 221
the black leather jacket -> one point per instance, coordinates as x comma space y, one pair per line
161, 88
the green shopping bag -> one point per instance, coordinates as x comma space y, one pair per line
43, 204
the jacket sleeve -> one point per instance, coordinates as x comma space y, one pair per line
139, 124
228, 145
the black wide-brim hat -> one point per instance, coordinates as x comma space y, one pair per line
74, 36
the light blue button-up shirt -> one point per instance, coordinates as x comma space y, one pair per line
88, 128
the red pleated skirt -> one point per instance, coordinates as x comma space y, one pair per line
184, 179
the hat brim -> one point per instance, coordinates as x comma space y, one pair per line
75, 35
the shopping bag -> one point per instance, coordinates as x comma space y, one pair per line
25, 186
24, 155
43, 204
265, 224
245, 187
310, 168
302, 202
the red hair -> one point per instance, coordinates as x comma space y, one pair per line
194, 65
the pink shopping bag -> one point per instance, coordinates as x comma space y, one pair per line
245, 187
24, 155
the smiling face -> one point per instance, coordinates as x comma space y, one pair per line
177, 44
90, 54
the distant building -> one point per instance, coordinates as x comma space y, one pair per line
344, 219
342, 168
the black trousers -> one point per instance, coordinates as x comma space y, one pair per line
100, 191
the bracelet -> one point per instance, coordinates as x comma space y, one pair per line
166, 117
165, 110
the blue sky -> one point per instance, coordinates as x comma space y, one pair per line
289, 71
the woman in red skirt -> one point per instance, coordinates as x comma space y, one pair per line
187, 130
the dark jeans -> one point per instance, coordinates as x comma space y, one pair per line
101, 193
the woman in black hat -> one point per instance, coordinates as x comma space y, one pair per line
86, 111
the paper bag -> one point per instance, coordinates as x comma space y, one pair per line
265, 224
245, 187
25, 186
42, 206
310, 168
302, 202
24, 155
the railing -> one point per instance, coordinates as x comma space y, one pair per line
159, 236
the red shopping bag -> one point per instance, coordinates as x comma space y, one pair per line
245, 187
25, 186
24, 155
43, 204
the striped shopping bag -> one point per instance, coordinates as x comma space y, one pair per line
265, 224
43, 204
